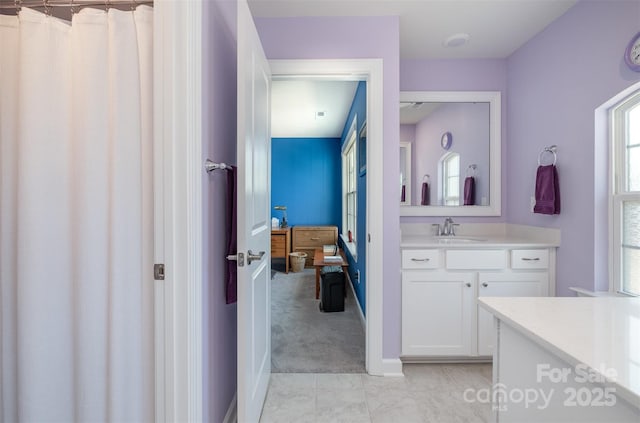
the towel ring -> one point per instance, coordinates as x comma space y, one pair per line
427, 177
551, 149
471, 170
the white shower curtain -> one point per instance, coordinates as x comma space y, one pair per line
76, 222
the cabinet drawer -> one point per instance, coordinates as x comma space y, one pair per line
420, 259
314, 238
476, 259
277, 251
529, 259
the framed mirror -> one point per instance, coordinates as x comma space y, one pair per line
454, 161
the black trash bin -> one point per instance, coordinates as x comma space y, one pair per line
332, 289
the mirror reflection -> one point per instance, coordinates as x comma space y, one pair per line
448, 156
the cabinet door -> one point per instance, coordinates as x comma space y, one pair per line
437, 313
505, 284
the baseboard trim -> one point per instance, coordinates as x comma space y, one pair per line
232, 411
363, 320
392, 367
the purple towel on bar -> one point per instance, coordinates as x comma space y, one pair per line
232, 232
425, 194
469, 191
547, 190
402, 195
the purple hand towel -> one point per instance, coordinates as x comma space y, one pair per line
402, 195
469, 191
547, 190
425, 194
232, 232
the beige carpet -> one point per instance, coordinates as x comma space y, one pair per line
306, 340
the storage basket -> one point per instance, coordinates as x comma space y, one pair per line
297, 261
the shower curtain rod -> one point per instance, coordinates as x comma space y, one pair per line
17, 4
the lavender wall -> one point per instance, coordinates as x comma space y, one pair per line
347, 38
555, 83
459, 75
219, 135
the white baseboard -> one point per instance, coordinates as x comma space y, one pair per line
392, 367
363, 320
232, 411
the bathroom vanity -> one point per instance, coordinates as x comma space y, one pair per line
586, 369
443, 276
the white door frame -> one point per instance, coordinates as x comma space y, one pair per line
178, 202
369, 70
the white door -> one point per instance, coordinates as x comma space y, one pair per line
254, 220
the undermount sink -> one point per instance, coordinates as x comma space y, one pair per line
457, 239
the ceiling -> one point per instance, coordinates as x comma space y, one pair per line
295, 106
496, 28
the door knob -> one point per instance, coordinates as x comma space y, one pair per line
252, 257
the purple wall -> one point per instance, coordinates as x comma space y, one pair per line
352, 38
219, 135
459, 75
555, 83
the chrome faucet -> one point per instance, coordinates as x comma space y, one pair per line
448, 228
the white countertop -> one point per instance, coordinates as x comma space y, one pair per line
603, 333
473, 242
480, 236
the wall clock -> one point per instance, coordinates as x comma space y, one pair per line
446, 140
632, 53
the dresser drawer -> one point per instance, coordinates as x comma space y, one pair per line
420, 259
278, 246
476, 259
529, 259
314, 237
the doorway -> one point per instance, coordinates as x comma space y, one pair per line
316, 183
369, 70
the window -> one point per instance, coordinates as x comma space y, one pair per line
451, 179
349, 190
625, 124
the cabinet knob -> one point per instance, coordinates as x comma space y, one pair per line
468, 285
485, 284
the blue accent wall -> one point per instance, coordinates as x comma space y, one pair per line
306, 177
359, 109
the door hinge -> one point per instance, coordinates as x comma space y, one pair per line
158, 271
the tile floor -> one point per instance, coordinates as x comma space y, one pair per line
429, 393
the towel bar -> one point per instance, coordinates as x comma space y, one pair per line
210, 166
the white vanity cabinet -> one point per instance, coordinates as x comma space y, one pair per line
437, 313
440, 287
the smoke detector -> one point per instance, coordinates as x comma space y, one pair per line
456, 40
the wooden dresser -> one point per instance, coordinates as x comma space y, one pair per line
307, 238
281, 245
